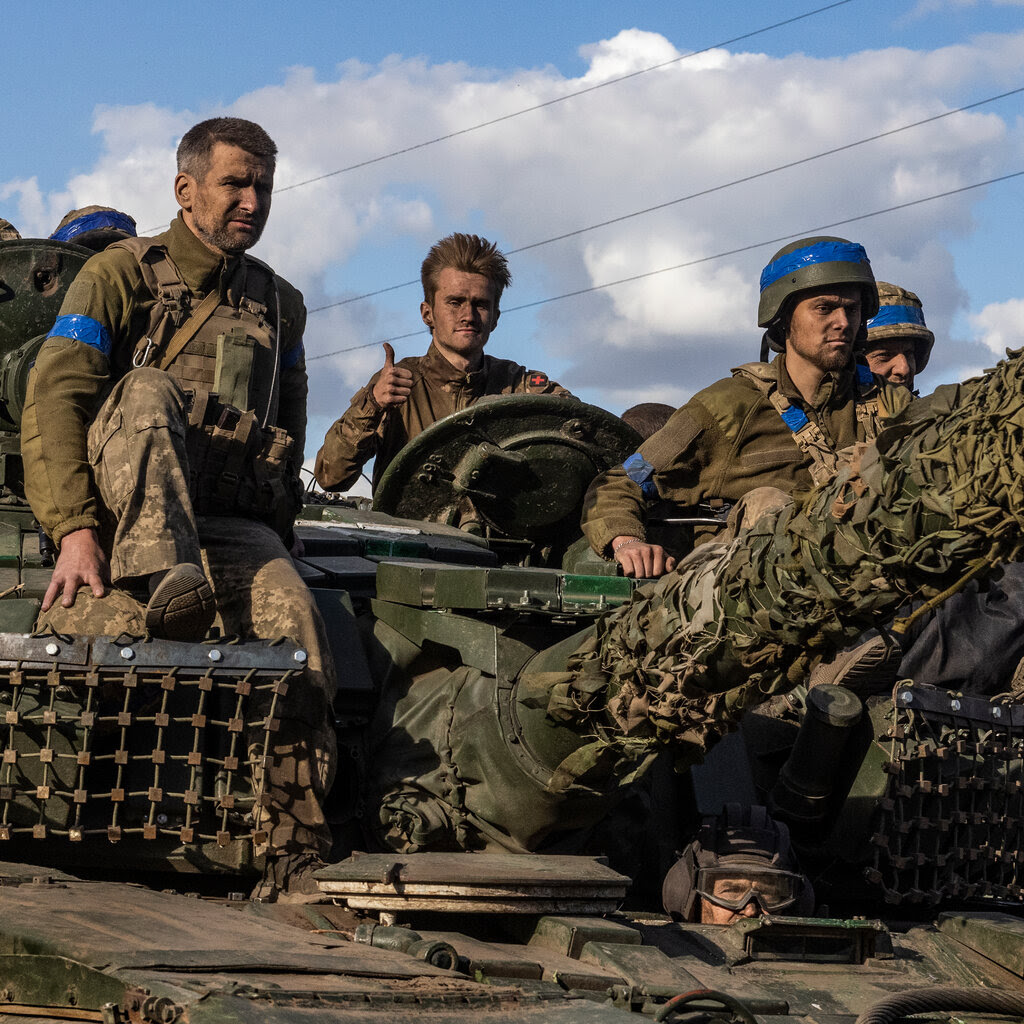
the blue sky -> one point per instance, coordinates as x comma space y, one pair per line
96, 95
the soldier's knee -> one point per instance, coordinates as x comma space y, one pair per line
152, 393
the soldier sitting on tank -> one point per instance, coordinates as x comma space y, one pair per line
899, 343
95, 227
775, 427
739, 865
463, 279
162, 439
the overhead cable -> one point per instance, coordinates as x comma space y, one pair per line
703, 192
703, 259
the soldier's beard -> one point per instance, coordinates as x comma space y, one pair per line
226, 240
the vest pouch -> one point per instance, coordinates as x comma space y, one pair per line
237, 468
233, 372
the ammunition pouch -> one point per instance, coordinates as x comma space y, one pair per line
238, 468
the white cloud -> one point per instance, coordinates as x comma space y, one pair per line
683, 129
1000, 325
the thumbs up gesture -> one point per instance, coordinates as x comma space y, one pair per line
394, 383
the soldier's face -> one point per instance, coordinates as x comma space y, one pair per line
824, 325
462, 316
228, 208
894, 359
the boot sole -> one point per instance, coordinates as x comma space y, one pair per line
182, 606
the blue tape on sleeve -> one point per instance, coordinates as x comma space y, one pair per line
290, 357
890, 316
794, 418
84, 329
820, 252
641, 472
93, 222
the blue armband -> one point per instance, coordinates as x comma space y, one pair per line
640, 471
84, 329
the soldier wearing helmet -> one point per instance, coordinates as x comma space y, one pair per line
899, 343
8, 232
740, 865
777, 425
95, 227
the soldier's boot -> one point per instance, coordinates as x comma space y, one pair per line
288, 878
870, 667
181, 604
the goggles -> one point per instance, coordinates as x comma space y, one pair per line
734, 887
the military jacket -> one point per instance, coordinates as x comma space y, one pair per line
438, 390
727, 440
106, 313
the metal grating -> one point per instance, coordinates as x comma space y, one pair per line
150, 740
951, 823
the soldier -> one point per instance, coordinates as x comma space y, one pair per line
647, 418
740, 865
95, 227
162, 438
775, 425
899, 343
463, 278
8, 232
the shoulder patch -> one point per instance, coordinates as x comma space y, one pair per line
536, 379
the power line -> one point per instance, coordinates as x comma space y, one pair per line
562, 99
546, 103
702, 259
701, 193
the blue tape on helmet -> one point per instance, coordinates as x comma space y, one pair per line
794, 418
640, 471
84, 329
890, 316
94, 222
292, 356
820, 252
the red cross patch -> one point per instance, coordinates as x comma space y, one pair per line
536, 379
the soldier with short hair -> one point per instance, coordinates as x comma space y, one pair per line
777, 426
162, 438
463, 279
899, 342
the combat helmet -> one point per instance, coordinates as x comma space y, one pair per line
900, 315
812, 263
742, 841
8, 232
95, 227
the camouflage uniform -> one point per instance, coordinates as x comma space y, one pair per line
439, 389
8, 232
730, 439
111, 452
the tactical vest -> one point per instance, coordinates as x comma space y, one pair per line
228, 344
226, 352
809, 437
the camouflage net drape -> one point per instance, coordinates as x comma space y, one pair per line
939, 495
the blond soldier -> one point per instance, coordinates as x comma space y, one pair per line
463, 279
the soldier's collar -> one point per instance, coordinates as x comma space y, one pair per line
436, 369
198, 265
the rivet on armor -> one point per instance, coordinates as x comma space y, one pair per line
127, 653
300, 656
52, 649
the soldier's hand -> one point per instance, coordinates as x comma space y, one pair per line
640, 559
81, 563
394, 383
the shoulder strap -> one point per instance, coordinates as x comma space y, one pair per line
187, 331
808, 436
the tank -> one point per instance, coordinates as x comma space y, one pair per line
503, 815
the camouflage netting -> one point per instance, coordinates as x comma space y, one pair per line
937, 498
